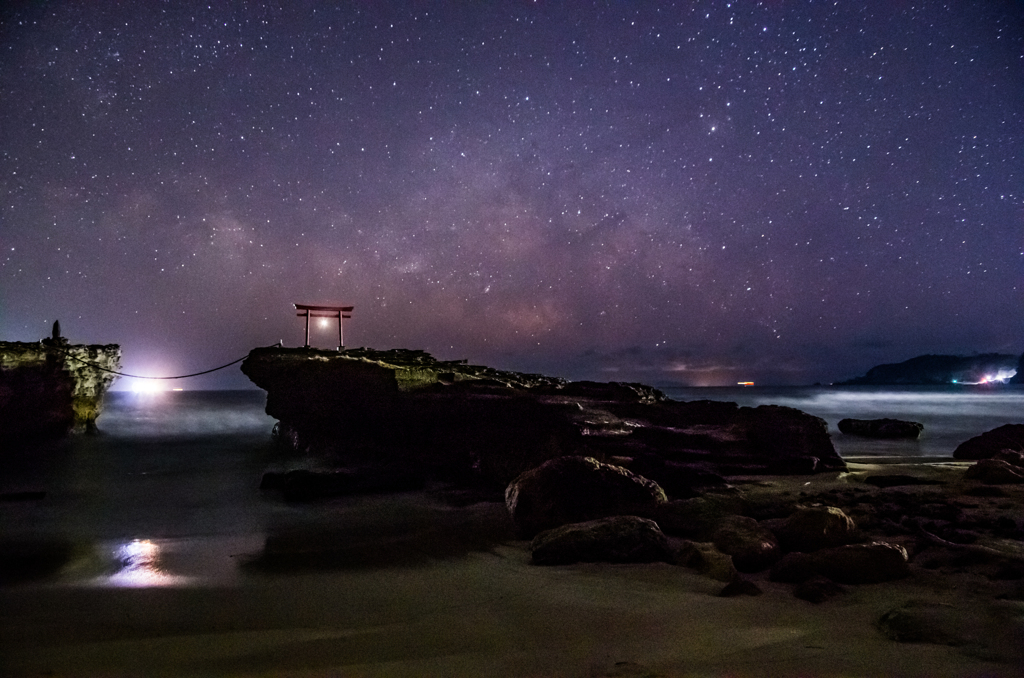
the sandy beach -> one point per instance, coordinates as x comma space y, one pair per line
405, 585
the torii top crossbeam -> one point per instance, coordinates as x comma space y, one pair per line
314, 311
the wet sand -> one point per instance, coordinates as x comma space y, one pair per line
407, 586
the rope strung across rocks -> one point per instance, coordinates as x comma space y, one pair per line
139, 376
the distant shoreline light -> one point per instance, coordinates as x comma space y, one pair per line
1000, 377
744, 383
147, 386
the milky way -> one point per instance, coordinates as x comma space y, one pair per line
696, 193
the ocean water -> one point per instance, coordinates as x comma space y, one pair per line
167, 494
950, 414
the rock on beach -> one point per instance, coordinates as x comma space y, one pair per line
881, 428
618, 539
990, 443
576, 489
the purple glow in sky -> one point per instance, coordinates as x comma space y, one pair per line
694, 192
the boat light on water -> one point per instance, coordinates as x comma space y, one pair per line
744, 383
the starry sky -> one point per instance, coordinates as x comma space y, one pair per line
693, 193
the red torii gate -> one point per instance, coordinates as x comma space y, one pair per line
313, 311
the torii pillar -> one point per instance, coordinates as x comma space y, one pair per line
312, 311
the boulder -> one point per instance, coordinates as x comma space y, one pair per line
863, 563
881, 428
995, 472
707, 560
920, 621
850, 564
618, 539
577, 489
991, 443
811, 529
1014, 457
753, 548
697, 517
680, 481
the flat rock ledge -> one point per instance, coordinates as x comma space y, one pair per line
452, 418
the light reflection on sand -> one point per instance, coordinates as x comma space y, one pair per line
140, 566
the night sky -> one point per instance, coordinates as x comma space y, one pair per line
695, 193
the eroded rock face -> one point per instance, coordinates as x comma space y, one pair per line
871, 563
577, 489
495, 425
49, 388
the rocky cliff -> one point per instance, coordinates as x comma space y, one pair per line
50, 387
405, 406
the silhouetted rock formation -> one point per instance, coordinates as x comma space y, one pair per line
451, 417
47, 388
928, 370
990, 443
881, 428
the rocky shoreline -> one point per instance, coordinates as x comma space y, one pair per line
617, 473
454, 420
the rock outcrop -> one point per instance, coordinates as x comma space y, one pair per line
881, 428
990, 443
50, 387
495, 425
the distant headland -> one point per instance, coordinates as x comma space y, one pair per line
935, 370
